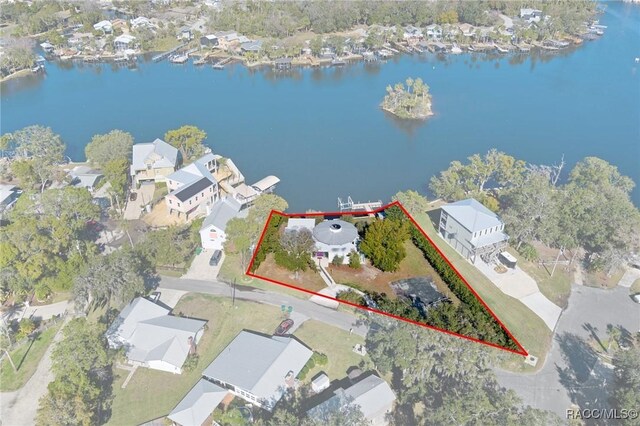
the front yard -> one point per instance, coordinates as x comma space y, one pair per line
151, 394
308, 279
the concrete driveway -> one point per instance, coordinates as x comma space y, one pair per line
629, 277
200, 268
573, 373
518, 284
133, 210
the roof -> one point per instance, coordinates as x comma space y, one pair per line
198, 404
124, 38
88, 180
211, 37
296, 223
263, 375
222, 212
194, 171
186, 192
245, 191
252, 45
6, 191
283, 61
372, 395
157, 153
472, 215
149, 333
266, 183
335, 232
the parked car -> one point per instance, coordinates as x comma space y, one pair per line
133, 196
284, 327
215, 258
636, 297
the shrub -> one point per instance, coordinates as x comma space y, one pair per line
337, 261
354, 260
191, 362
383, 242
529, 252
352, 297
25, 328
320, 358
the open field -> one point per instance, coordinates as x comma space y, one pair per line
26, 358
151, 394
526, 326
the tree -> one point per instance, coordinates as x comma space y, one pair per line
354, 260
115, 145
412, 201
627, 380
80, 394
383, 243
39, 152
116, 172
316, 45
189, 140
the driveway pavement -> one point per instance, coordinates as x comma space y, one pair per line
133, 210
629, 277
518, 284
200, 268
573, 373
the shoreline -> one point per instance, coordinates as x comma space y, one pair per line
422, 117
17, 74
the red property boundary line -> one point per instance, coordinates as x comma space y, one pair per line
248, 272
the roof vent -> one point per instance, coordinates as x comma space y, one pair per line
336, 227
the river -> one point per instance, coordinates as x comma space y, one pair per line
322, 132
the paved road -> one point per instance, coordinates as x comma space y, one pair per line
572, 372
20, 407
343, 320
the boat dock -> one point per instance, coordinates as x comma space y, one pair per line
165, 55
220, 64
350, 205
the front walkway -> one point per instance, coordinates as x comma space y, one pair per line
517, 284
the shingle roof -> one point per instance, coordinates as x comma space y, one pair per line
472, 215
259, 364
335, 232
198, 404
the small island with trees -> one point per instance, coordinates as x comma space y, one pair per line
410, 102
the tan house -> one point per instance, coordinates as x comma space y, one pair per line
193, 189
153, 161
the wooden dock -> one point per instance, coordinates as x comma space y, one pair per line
220, 64
350, 205
165, 55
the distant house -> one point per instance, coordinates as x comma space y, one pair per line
434, 31
335, 238
467, 30
8, 196
185, 34
226, 38
141, 22
153, 161
124, 42
472, 229
193, 188
530, 15
412, 33
209, 40
198, 404
251, 46
213, 229
47, 47
104, 26
85, 177
259, 368
152, 338
283, 64
372, 395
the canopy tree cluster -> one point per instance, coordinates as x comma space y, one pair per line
383, 242
412, 101
189, 141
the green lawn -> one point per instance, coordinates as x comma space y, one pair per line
151, 394
336, 344
556, 288
26, 358
527, 327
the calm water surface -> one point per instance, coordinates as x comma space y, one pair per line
322, 133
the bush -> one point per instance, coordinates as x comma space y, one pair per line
352, 297
529, 252
383, 242
191, 362
320, 359
337, 261
354, 260
25, 328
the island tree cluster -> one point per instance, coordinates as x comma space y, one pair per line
410, 101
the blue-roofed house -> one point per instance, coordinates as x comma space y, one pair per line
153, 161
193, 189
472, 229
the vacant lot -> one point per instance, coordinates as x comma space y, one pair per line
151, 394
308, 279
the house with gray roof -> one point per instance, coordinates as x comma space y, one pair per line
213, 229
335, 238
152, 337
193, 188
153, 161
472, 229
198, 404
8, 196
84, 177
259, 368
372, 395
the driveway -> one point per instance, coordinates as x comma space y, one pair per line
629, 277
519, 285
133, 210
43, 312
200, 268
573, 373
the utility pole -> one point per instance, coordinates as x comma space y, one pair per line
233, 296
556, 262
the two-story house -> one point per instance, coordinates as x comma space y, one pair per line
472, 229
153, 161
193, 188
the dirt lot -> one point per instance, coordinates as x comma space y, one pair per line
308, 279
160, 216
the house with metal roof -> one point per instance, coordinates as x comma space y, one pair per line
259, 368
8, 196
472, 229
335, 238
152, 337
124, 42
213, 229
193, 188
198, 404
372, 395
153, 161
84, 177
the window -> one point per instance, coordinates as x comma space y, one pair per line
196, 198
170, 202
178, 204
190, 202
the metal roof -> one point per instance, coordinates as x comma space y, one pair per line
266, 183
222, 212
198, 404
335, 232
472, 215
259, 364
158, 153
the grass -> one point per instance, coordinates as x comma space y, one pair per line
308, 279
556, 288
601, 280
526, 326
336, 344
26, 358
151, 393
